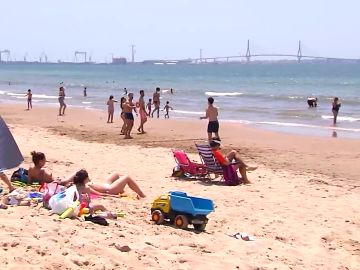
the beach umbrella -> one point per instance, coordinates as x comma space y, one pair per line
10, 155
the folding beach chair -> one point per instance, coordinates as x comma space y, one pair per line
187, 166
228, 173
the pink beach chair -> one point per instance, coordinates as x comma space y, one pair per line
187, 166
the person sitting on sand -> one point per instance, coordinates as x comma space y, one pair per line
226, 160
114, 184
6, 180
81, 181
37, 173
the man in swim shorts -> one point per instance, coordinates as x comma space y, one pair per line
156, 101
212, 114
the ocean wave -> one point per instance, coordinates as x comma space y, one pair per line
86, 102
16, 95
287, 124
2, 92
223, 94
341, 118
188, 112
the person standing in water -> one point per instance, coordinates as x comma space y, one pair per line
212, 114
142, 112
335, 108
29, 99
62, 101
85, 94
156, 101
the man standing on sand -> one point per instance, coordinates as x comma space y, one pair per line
156, 101
142, 112
212, 114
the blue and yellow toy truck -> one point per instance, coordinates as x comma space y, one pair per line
182, 210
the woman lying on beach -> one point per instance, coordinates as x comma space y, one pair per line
114, 185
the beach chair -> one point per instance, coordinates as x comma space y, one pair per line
228, 173
187, 166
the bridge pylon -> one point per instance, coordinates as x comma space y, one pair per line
248, 54
299, 53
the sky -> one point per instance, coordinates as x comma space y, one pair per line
178, 29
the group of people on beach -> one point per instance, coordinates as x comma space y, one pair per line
142, 110
113, 185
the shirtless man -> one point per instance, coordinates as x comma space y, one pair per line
212, 114
142, 112
156, 101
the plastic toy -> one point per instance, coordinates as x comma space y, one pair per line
182, 210
68, 212
83, 210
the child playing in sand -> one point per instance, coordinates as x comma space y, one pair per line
29, 99
148, 106
110, 104
167, 108
212, 114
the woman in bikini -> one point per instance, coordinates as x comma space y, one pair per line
36, 172
62, 101
114, 184
142, 112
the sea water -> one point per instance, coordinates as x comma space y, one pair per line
266, 95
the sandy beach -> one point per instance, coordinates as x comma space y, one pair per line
302, 205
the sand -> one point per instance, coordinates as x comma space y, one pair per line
302, 207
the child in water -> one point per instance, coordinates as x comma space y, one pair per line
335, 108
148, 106
29, 99
167, 108
110, 104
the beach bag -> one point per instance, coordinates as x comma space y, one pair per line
63, 200
48, 190
20, 175
230, 175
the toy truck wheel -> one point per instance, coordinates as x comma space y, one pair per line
200, 227
157, 216
181, 221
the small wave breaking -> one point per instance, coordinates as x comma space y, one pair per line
223, 94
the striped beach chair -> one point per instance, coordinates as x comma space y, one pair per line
227, 173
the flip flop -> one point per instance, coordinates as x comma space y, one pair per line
242, 235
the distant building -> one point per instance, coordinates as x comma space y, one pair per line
118, 60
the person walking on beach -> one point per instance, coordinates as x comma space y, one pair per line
166, 109
62, 101
212, 114
156, 101
148, 105
142, 112
335, 108
110, 104
29, 99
